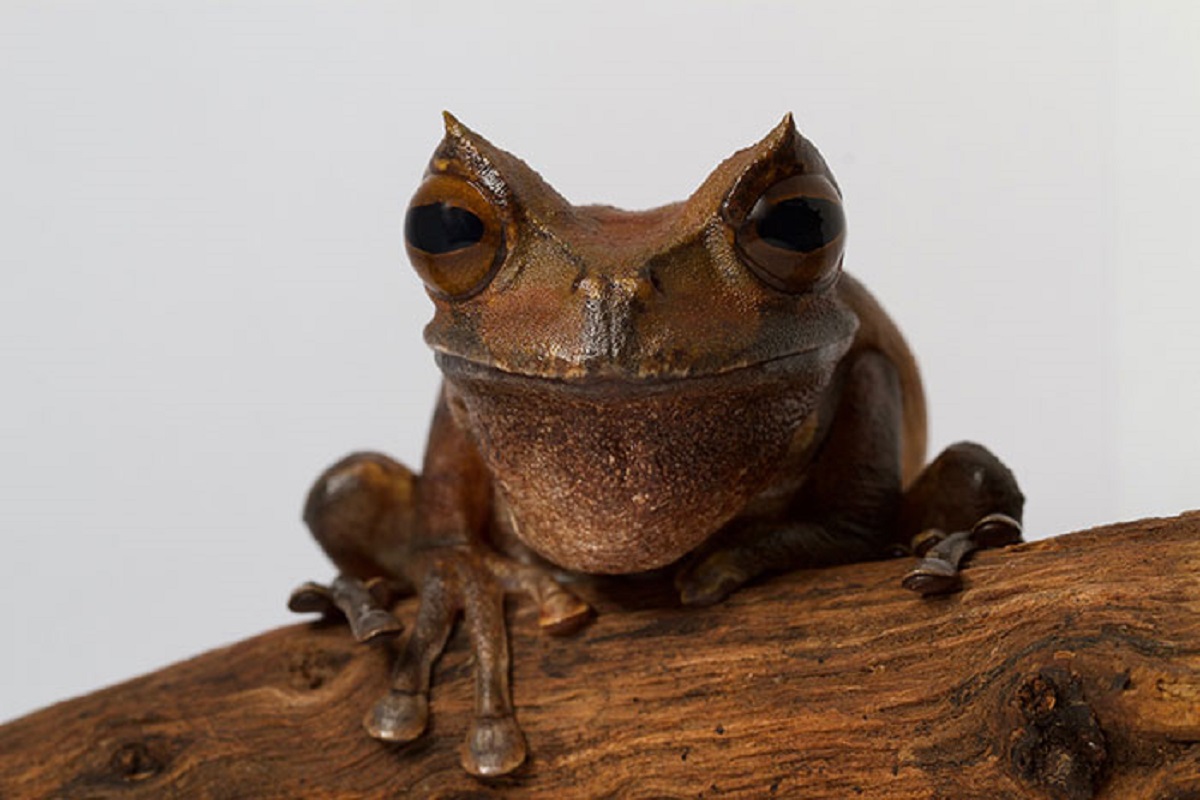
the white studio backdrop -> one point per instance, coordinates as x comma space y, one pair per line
204, 298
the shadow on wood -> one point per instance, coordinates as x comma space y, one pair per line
1068, 668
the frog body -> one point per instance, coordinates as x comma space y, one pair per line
697, 387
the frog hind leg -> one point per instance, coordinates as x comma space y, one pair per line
357, 510
965, 500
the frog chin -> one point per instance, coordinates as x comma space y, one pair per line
618, 477
615, 551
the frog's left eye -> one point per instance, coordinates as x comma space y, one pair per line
793, 236
454, 236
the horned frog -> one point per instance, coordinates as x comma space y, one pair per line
698, 386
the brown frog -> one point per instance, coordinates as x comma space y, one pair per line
697, 385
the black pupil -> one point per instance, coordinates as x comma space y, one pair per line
800, 223
442, 228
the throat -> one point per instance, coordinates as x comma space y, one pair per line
619, 483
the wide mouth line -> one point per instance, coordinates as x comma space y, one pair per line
461, 364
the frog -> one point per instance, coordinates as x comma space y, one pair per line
697, 392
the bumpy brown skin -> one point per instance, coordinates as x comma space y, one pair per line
624, 391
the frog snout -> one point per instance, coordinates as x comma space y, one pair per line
609, 306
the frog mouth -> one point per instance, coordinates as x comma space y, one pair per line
607, 378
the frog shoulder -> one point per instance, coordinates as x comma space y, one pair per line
877, 331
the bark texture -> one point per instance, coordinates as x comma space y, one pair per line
1067, 668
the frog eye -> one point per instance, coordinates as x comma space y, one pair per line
454, 236
793, 236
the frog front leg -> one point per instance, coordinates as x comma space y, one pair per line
379, 522
844, 508
852, 507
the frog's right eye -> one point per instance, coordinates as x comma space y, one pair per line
454, 236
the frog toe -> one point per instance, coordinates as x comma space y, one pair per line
996, 530
312, 598
494, 746
559, 611
375, 624
352, 599
398, 717
562, 613
710, 581
933, 576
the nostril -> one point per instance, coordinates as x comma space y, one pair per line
589, 286
626, 289
655, 283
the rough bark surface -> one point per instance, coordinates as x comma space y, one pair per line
1067, 668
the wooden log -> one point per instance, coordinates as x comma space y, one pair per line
1067, 668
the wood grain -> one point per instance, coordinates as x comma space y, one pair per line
1068, 668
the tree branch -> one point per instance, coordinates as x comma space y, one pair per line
1067, 668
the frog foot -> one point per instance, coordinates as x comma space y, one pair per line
740, 555
942, 555
711, 578
472, 582
364, 604
363, 512
965, 500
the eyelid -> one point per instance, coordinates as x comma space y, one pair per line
801, 186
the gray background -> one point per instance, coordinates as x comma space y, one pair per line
204, 300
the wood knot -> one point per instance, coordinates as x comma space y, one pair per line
1057, 744
135, 761
312, 669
